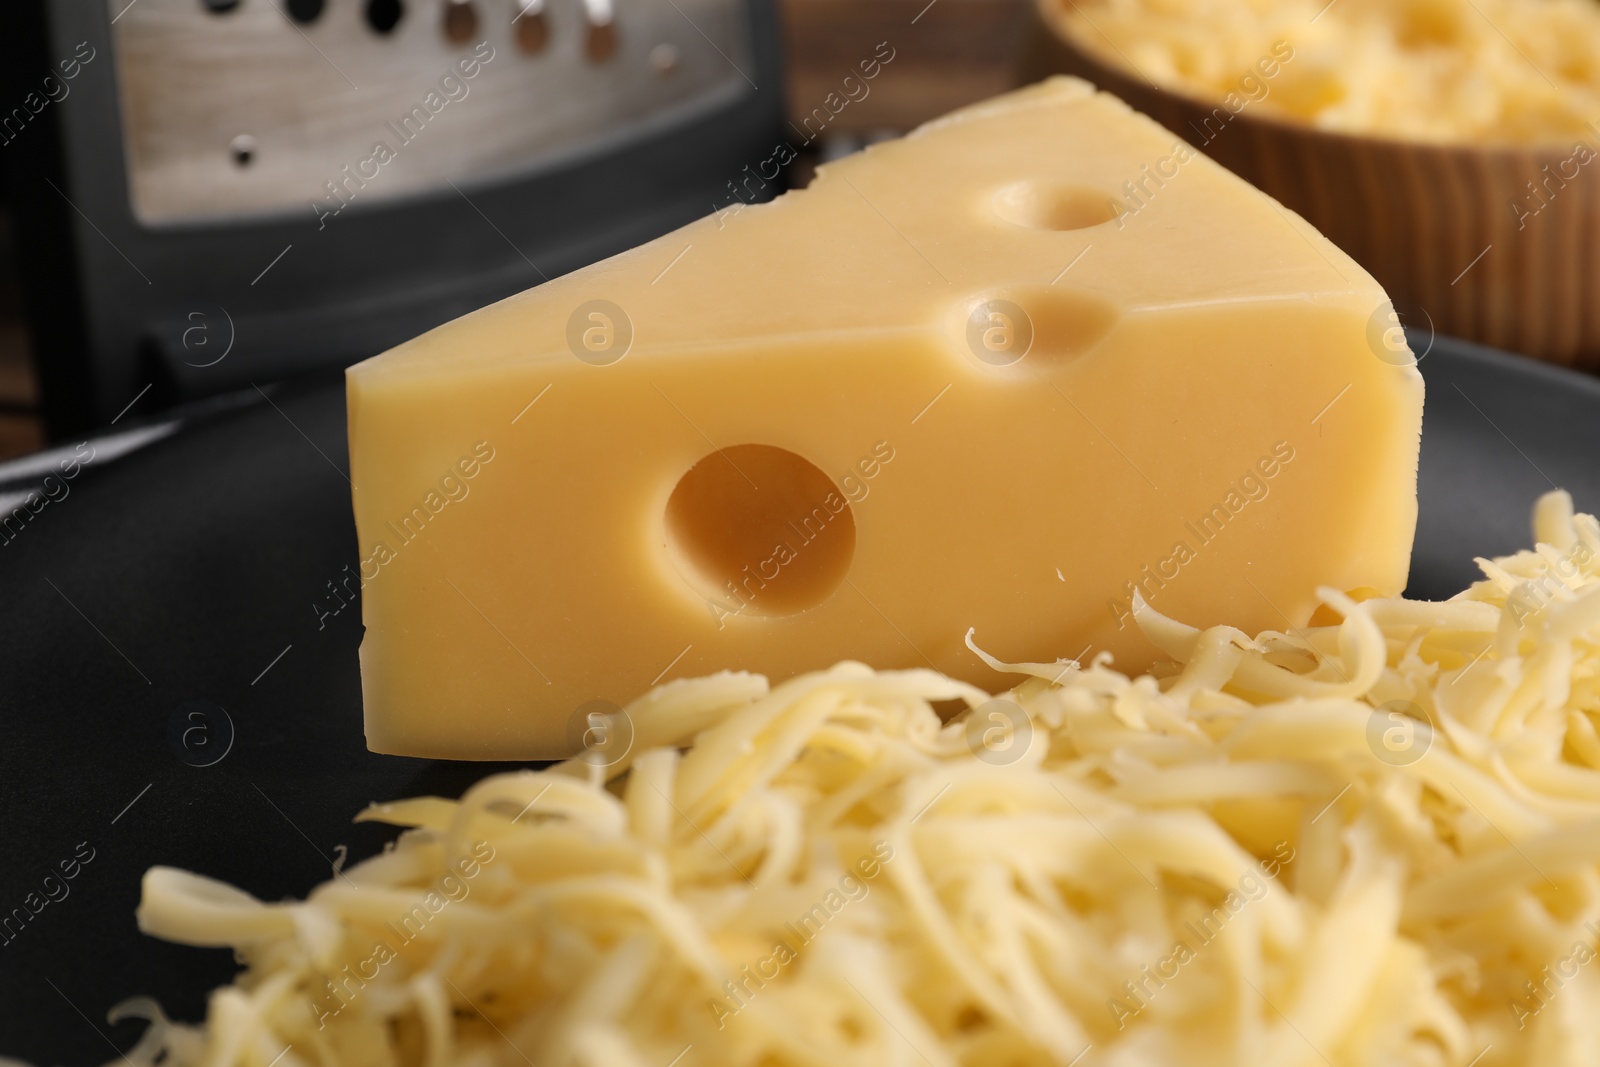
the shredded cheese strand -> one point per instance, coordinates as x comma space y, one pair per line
1230, 861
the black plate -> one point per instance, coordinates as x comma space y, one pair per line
191, 576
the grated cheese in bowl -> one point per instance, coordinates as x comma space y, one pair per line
1512, 72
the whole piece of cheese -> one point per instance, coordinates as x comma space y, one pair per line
1001, 375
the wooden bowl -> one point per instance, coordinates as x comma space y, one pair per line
1439, 226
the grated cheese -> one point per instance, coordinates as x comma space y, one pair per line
1234, 861
1457, 71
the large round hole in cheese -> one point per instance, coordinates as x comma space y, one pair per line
760, 530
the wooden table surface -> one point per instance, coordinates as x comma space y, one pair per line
945, 54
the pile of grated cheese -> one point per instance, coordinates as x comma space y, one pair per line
1457, 71
1372, 842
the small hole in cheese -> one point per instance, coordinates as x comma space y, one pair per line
1049, 205
759, 530
1033, 329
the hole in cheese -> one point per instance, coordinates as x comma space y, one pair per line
760, 531
1037, 327
1048, 205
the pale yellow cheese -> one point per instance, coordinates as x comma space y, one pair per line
1211, 408
1501, 72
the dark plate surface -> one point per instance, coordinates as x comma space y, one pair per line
192, 575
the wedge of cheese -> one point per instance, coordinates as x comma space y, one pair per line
1000, 375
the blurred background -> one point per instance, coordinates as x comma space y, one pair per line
201, 197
